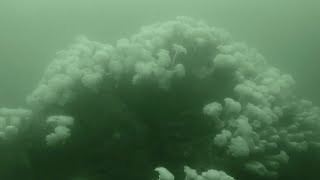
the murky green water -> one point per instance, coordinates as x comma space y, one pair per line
124, 128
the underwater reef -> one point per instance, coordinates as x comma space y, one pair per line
175, 95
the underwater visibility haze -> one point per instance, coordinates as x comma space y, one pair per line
194, 90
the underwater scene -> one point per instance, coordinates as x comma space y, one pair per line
159, 90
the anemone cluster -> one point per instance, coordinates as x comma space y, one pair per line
12, 121
181, 90
192, 174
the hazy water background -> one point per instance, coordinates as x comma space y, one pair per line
286, 32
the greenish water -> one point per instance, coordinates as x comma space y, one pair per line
124, 128
286, 32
